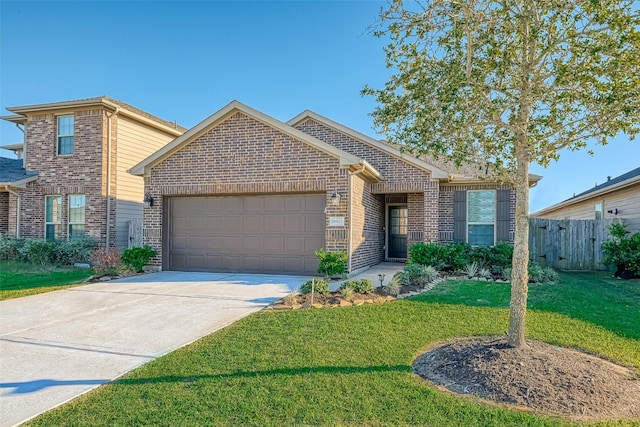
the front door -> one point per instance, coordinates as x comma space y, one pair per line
398, 222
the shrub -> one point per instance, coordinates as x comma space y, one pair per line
495, 257
332, 264
432, 254
8, 247
107, 261
363, 286
136, 258
622, 251
346, 292
537, 274
320, 286
455, 256
471, 269
392, 288
76, 249
37, 251
416, 275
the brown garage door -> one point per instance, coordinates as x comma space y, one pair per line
251, 234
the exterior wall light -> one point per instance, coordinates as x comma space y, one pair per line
613, 211
148, 201
335, 198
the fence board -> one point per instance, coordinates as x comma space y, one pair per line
569, 244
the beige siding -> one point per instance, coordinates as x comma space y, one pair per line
627, 201
135, 142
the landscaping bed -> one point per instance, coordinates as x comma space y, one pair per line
542, 377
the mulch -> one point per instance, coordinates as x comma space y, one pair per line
541, 377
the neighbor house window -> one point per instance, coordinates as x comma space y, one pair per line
76, 215
52, 217
481, 217
598, 210
65, 135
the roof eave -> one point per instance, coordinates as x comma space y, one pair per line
21, 183
97, 102
15, 118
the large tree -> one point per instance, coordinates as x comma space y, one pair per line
502, 84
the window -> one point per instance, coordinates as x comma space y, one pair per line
65, 135
598, 210
52, 217
76, 215
481, 217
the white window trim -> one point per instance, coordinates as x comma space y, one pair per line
595, 210
59, 224
495, 215
58, 135
69, 223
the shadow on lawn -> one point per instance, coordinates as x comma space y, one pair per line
255, 374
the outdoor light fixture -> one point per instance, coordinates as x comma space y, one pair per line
335, 198
381, 279
148, 201
613, 211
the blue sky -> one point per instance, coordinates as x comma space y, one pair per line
184, 60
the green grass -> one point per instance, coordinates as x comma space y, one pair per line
335, 367
594, 297
19, 280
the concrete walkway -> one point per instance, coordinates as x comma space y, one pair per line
59, 345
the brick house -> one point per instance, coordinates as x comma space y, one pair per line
244, 192
71, 176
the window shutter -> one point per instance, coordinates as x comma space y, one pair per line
460, 216
503, 218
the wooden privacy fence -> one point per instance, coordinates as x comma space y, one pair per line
569, 244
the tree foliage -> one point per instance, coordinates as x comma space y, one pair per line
500, 84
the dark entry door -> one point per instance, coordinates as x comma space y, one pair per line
398, 221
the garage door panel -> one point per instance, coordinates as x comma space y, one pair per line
294, 204
267, 233
253, 224
232, 244
274, 204
294, 224
314, 203
233, 224
252, 244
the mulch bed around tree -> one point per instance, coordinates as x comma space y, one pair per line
542, 377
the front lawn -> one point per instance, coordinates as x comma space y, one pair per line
595, 297
19, 279
344, 366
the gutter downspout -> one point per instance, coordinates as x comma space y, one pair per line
6, 187
24, 146
350, 211
108, 231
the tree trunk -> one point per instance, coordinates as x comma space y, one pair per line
520, 274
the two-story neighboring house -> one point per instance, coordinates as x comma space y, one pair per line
71, 177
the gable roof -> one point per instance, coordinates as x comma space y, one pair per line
346, 159
623, 181
104, 101
12, 174
308, 114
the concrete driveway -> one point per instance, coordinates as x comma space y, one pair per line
58, 345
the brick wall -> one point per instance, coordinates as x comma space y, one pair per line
4, 212
79, 173
367, 234
445, 223
244, 156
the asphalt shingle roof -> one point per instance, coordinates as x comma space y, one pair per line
11, 170
625, 176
